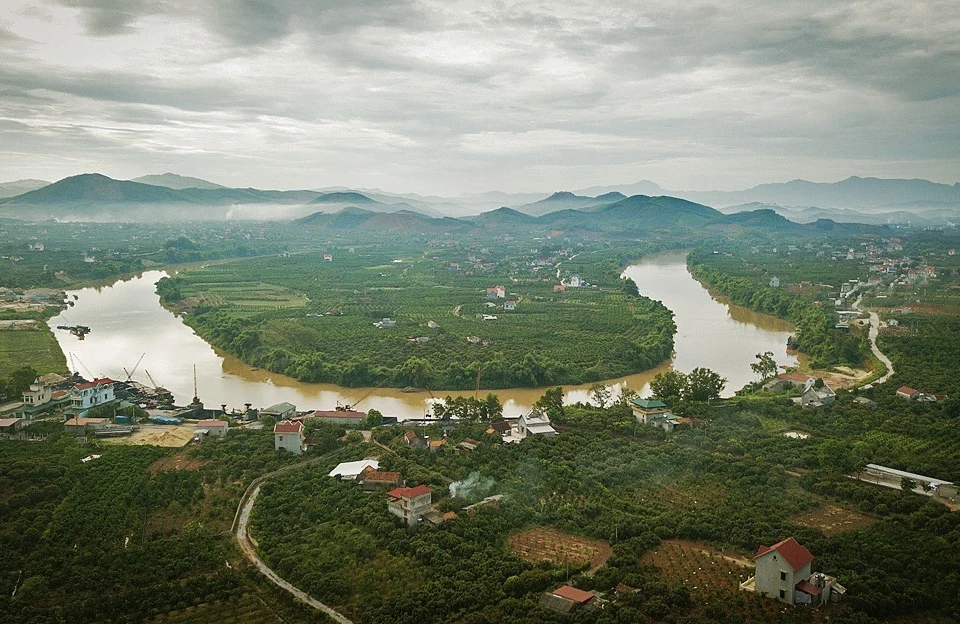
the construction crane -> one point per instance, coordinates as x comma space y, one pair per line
346, 407
77, 357
130, 374
150, 377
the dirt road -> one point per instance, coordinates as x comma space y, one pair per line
874, 332
246, 543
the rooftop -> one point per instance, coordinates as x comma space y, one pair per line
105, 381
408, 492
288, 427
82, 422
354, 468
650, 403
211, 423
280, 408
572, 593
339, 414
791, 551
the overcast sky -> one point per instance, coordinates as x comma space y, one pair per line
448, 96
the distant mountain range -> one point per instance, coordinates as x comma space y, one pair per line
854, 193
178, 182
18, 187
168, 195
96, 197
634, 217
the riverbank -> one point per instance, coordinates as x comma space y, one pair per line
127, 321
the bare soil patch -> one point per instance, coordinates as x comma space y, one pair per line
558, 548
833, 520
177, 462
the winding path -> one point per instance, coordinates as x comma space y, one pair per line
247, 543
874, 332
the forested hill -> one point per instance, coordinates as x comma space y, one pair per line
632, 217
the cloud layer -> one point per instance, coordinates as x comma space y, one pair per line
448, 96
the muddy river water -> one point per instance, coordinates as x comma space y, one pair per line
127, 320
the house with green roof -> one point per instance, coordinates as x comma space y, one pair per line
650, 411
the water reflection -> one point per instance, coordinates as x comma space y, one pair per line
126, 320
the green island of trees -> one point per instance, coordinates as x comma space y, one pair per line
316, 320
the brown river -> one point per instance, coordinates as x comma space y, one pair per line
127, 321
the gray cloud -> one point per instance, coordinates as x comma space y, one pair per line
451, 95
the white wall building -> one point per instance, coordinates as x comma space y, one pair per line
91, 394
288, 436
535, 423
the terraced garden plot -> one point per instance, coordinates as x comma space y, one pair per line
558, 548
713, 580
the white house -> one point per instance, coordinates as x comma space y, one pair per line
91, 394
215, 428
649, 411
814, 396
782, 571
575, 281
774, 282
409, 504
38, 393
535, 423
288, 436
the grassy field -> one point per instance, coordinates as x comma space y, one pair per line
30, 347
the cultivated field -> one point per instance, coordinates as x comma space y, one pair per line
177, 462
245, 609
833, 520
558, 548
713, 579
36, 347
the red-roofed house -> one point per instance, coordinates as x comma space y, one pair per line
90, 394
409, 504
780, 568
340, 416
565, 599
288, 436
372, 479
911, 394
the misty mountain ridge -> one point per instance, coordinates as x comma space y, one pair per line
18, 187
177, 182
637, 216
565, 200
864, 200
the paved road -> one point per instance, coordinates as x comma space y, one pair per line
246, 545
874, 332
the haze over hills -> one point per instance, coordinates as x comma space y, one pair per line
564, 200
177, 182
100, 198
632, 217
168, 195
18, 187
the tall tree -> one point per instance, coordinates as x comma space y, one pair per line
765, 366
702, 385
669, 386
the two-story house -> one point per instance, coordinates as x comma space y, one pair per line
288, 435
90, 394
535, 423
783, 570
409, 503
650, 411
